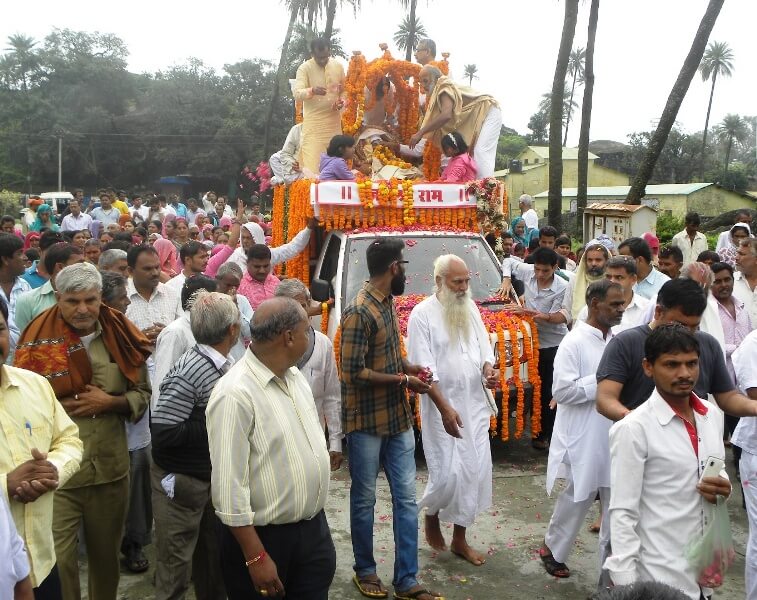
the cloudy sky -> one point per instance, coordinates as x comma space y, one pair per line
641, 45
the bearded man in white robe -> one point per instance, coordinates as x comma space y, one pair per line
447, 335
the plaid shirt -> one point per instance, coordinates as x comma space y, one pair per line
371, 342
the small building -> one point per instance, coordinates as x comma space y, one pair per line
531, 173
674, 199
618, 221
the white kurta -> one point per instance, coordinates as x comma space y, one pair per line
581, 435
459, 470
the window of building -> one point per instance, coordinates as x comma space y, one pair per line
525, 161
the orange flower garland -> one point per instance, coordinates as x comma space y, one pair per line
325, 318
505, 412
432, 162
298, 111
338, 350
533, 378
354, 84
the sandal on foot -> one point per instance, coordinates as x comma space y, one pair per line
362, 584
554, 568
417, 595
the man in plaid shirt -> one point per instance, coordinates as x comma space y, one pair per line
378, 421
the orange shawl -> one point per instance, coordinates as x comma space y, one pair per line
50, 347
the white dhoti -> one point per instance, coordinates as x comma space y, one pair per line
459, 469
485, 148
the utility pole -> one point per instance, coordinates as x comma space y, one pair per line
60, 163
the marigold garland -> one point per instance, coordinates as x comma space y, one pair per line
533, 378
354, 85
325, 318
432, 162
387, 157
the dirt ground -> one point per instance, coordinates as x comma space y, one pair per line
509, 533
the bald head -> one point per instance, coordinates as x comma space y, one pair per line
274, 317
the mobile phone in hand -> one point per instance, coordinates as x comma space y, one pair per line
712, 467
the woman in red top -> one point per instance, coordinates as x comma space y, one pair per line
461, 167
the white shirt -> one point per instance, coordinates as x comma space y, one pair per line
14, 564
634, 314
143, 212
163, 307
690, 249
106, 217
177, 282
321, 373
580, 436
72, 223
546, 300
531, 219
745, 366
651, 284
747, 295
655, 508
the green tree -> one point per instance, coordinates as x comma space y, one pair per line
539, 126
22, 60
409, 34
568, 104
328, 30
471, 72
732, 129
717, 60
509, 146
675, 98
576, 72
412, 34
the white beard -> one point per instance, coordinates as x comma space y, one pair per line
456, 312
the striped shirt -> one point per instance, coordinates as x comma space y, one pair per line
179, 434
371, 342
270, 463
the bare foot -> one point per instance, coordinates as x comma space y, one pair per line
434, 536
463, 550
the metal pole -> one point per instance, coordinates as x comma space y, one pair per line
60, 163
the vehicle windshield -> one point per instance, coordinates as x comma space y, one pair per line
485, 273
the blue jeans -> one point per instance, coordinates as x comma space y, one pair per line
396, 453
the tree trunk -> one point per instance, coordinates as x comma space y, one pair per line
411, 33
583, 138
677, 94
728, 153
554, 209
277, 82
330, 15
706, 125
570, 106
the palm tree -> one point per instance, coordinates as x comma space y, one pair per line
717, 60
471, 72
568, 105
677, 94
407, 30
23, 57
583, 137
732, 128
556, 110
576, 71
295, 9
412, 33
331, 14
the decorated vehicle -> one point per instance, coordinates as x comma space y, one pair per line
432, 219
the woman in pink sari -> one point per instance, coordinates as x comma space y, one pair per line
167, 256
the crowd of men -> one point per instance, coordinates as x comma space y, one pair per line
644, 350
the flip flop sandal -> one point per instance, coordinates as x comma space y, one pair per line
363, 581
416, 594
554, 568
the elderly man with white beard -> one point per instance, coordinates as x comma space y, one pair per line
447, 336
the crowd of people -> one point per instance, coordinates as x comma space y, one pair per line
644, 349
